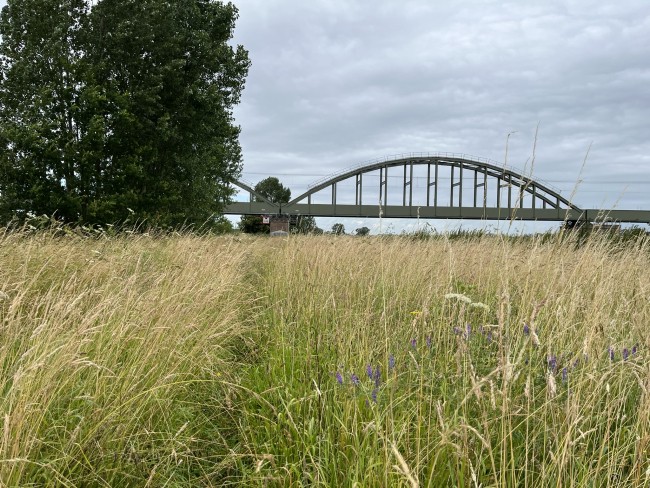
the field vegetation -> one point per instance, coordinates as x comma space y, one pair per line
183, 360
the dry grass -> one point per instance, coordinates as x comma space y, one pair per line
185, 361
108, 349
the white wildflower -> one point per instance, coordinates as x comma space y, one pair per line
480, 305
527, 389
458, 296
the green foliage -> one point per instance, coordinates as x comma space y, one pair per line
127, 105
222, 225
252, 224
338, 229
273, 190
362, 231
306, 224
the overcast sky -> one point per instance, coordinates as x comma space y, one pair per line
334, 83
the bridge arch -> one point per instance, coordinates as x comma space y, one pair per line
479, 167
488, 179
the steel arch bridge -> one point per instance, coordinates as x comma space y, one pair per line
457, 187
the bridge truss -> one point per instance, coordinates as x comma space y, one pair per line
449, 186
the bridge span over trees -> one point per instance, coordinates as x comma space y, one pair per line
433, 185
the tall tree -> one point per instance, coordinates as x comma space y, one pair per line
41, 56
125, 105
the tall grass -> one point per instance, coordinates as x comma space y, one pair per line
373, 377
333, 361
113, 356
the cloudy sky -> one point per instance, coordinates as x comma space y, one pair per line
334, 83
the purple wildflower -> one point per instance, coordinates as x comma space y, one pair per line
456, 330
611, 353
552, 363
429, 342
413, 343
565, 375
489, 336
469, 330
391, 362
526, 329
355, 379
634, 348
576, 363
373, 395
369, 371
339, 378
377, 376
626, 354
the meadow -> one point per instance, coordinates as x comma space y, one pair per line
183, 360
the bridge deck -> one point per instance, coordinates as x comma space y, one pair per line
478, 213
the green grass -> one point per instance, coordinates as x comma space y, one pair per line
205, 361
